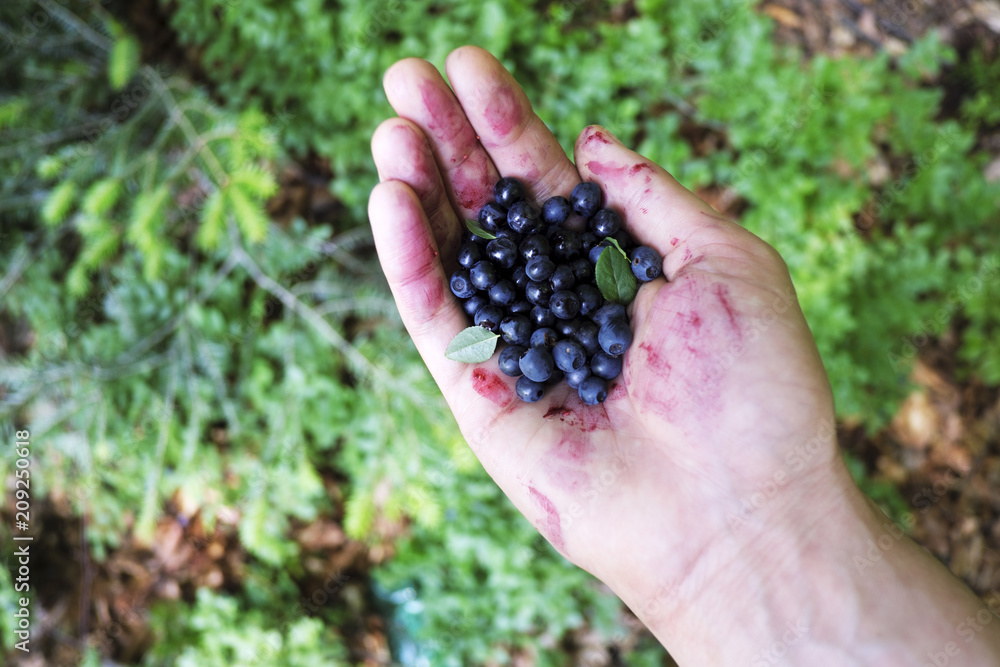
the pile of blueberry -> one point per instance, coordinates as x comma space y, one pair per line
532, 280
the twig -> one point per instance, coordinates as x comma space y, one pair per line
360, 362
74, 21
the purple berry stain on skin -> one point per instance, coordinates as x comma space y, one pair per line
472, 179
566, 464
549, 525
722, 292
619, 174
503, 113
448, 120
489, 385
597, 137
585, 418
685, 373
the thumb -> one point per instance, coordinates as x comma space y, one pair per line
657, 210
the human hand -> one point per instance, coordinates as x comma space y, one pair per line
723, 400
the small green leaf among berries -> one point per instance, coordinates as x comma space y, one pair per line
473, 345
618, 247
477, 229
614, 276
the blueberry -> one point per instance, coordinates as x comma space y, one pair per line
529, 391
539, 268
533, 246
565, 304
569, 355
524, 218
556, 210
562, 278
588, 240
542, 317
592, 390
586, 199
568, 328
508, 233
605, 366
610, 311
537, 364
605, 222
545, 337
538, 292
516, 330
615, 336
489, 316
595, 252
586, 335
508, 191
556, 377
646, 263
583, 270
566, 244
590, 297
469, 237
509, 357
472, 305
492, 217
574, 378
519, 278
469, 254
484, 275
461, 284
503, 252
503, 293
522, 307
624, 240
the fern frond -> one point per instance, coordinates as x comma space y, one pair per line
213, 221
58, 203
101, 196
250, 217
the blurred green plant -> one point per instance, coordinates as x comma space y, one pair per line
805, 145
217, 631
164, 304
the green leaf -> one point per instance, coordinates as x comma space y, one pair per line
256, 181
147, 214
614, 243
473, 226
123, 62
57, 205
49, 167
472, 345
614, 276
213, 221
101, 196
250, 217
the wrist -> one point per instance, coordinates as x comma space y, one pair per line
748, 583
819, 576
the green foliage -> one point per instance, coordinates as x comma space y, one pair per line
216, 632
870, 259
483, 602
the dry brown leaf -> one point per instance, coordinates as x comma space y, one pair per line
784, 16
988, 11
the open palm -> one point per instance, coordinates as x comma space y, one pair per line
722, 389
